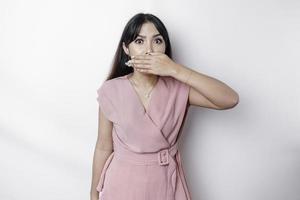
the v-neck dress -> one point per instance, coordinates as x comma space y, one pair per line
145, 163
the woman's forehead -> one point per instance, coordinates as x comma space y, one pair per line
149, 30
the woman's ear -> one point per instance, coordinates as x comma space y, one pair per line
125, 48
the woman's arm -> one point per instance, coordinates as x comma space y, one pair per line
103, 148
205, 91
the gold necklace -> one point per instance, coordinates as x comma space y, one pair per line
147, 94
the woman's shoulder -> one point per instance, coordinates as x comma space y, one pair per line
111, 85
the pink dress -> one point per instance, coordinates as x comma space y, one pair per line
145, 163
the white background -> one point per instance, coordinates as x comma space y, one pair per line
55, 54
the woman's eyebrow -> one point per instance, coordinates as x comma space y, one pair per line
152, 36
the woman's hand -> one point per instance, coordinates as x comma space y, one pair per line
153, 63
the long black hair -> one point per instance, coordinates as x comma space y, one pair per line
129, 34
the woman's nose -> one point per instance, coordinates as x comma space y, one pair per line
149, 48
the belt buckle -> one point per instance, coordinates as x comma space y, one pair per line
163, 157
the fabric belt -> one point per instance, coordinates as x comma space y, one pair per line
168, 157
162, 157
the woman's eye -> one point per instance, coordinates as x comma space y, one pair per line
160, 40
136, 41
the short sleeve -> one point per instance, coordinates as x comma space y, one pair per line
182, 98
185, 90
106, 104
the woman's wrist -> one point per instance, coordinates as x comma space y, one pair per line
181, 73
175, 70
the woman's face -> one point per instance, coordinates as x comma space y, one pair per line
148, 40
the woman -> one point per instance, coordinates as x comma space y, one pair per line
142, 108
